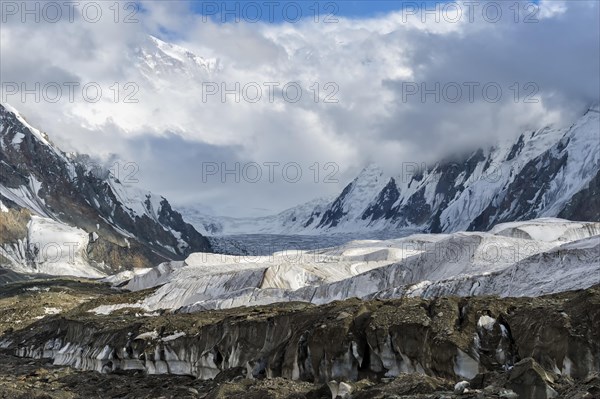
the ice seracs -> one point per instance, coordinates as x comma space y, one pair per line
518, 259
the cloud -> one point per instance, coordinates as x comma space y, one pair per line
364, 66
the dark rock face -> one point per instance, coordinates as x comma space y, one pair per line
313, 216
447, 187
332, 216
386, 199
529, 380
585, 205
415, 211
71, 192
522, 199
516, 148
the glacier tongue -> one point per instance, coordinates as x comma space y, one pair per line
515, 259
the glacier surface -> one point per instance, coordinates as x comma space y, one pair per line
528, 258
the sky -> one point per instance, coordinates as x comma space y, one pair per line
248, 116
290, 10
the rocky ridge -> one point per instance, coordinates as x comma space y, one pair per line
548, 172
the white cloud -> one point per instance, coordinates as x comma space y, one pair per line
368, 60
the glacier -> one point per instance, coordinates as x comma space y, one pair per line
529, 258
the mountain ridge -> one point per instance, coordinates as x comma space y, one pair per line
474, 192
125, 227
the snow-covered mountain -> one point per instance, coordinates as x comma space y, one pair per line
514, 259
158, 60
61, 214
549, 172
293, 220
545, 173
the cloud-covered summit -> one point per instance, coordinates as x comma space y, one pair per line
545, 59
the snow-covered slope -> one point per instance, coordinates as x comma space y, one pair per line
49, 195
515, 259
545, 173
158, 60
51, 248
290, 221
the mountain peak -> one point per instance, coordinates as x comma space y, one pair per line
370, 172
163, 57
7, 108
541, 173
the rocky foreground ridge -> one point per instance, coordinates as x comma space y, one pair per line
411, 347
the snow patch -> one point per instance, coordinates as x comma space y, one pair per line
486, 322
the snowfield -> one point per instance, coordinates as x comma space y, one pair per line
51, 248
513, 259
